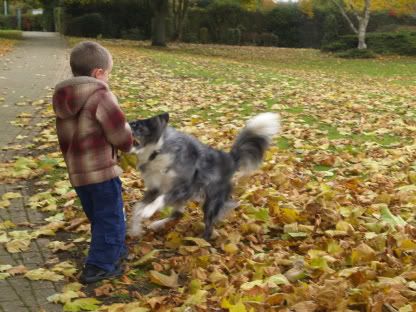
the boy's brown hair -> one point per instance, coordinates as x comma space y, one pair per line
87, 56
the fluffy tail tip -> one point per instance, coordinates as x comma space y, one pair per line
265, 124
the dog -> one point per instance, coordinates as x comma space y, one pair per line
176, 168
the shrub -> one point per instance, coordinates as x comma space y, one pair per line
190, 37
249, 38
330, 28
88, 25
232, 36
133, 34
204, 35
357, 53
118, 16
286, 21
11, 34
8, 22
401, 43
267, 40
339, 45
388, 28
59, 17
32, 22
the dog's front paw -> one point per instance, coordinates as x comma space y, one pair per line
159, 225
149, 210
135, 230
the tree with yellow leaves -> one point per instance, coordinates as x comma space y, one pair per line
357, 12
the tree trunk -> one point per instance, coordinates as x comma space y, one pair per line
363, 20
361, 37
160, 14
362, 27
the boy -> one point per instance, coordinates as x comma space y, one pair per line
90, 127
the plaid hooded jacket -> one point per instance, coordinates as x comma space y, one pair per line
90, 127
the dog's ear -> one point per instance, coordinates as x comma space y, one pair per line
164, 118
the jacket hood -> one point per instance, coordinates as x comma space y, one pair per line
72, 94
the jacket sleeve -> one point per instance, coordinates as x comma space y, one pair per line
113, 121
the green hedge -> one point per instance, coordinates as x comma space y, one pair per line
87, 25
401, 43
122, 18
8, 22
29, 22
11, 34
357, 54
32, 22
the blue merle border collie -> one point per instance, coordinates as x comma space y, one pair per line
176, 168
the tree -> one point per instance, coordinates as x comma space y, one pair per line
180, 11
357, 12
160, 13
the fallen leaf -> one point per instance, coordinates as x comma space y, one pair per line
104, 290
85, 304
63, 297
43, 274
17, 245
11, 195
199, 241
17, 270
164, 280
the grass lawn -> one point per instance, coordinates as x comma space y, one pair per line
328, 221
10, 34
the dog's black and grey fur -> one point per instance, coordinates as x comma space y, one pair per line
176, 167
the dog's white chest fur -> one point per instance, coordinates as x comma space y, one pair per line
157, 173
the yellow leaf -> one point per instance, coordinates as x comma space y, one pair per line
238, 307
216, 276
17, 245
164, 280
4, 204
198, 298
407, 244
289, 215
11, 195
128, 160
344, 226
66, 268
362, 253
121, 307
43, 274
173, 240
230, 248
63, 297
199, 241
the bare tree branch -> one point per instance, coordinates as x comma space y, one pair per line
344, 13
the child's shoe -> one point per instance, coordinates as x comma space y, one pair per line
91, 273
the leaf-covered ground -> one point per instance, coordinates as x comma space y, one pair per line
327, 224
6, 45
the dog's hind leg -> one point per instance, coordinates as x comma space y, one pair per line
177, 214
210, 206
215, 202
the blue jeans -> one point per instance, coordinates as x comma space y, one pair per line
103, 205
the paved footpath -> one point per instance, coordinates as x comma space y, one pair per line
27, 73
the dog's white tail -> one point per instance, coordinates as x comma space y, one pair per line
251, 144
